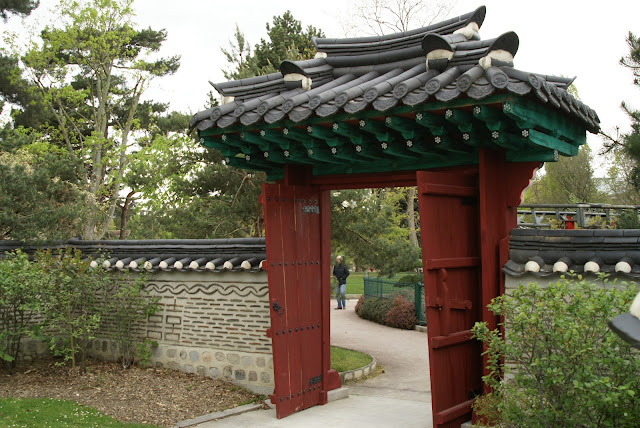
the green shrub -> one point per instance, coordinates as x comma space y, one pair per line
402, 314
410, 279
19, 295
628, 219
395, 312
375, 309
564, 366
127, 305
72, 296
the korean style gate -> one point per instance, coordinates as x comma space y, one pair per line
438, 108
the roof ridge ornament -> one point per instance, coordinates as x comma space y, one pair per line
470, 31
438, 51
501, 51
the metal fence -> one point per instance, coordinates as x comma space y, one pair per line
390, 288
541, 215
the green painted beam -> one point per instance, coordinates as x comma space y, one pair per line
508, 140
528, 114
547, 155
377, 128
406, 127
255, 138
436, 124
463, 120
448, 145
218, 144
275, 136
544, 140
494, 119
363, 144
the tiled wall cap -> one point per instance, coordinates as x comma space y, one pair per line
623, 267
532, 266
591, 266
560, 266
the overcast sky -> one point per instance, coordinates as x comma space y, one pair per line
562, 37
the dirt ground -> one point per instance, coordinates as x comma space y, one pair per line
161, 397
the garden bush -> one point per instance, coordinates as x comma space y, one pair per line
375, 309
360, 300
410, 279
560, 365
72, 296
395, 312
61, 299
402, 314
19, 296
628, 219
127, 305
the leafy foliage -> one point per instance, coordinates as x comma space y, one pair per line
19, 294
559, 364
40, 197
72, 294
375, 309
22, 7
286, 40
359, 303
628, 219
402, 314
189, 192
568, 181
629, 143
89, 71
397, 312
370, 226
127, 305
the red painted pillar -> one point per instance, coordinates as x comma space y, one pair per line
500, 187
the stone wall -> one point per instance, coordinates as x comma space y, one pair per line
212, 324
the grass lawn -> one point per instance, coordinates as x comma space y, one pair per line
45, 412
346, 359
355, 283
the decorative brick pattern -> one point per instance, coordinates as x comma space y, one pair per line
209, 324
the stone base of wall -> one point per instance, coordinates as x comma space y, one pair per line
253, 371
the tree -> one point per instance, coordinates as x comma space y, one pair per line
629, 143
91, 69
189, 192
286, 40
568, 181
378, 17
19, 7
620, 179
40, 197
369, 226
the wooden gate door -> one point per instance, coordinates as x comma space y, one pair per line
451, 260
293, 229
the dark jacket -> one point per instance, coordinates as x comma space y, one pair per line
341, 272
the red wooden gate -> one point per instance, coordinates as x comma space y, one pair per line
451, 261
293, 229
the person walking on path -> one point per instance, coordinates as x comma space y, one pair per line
341, 273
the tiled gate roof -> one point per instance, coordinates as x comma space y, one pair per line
397, 97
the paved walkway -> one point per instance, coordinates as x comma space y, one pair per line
398, 397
